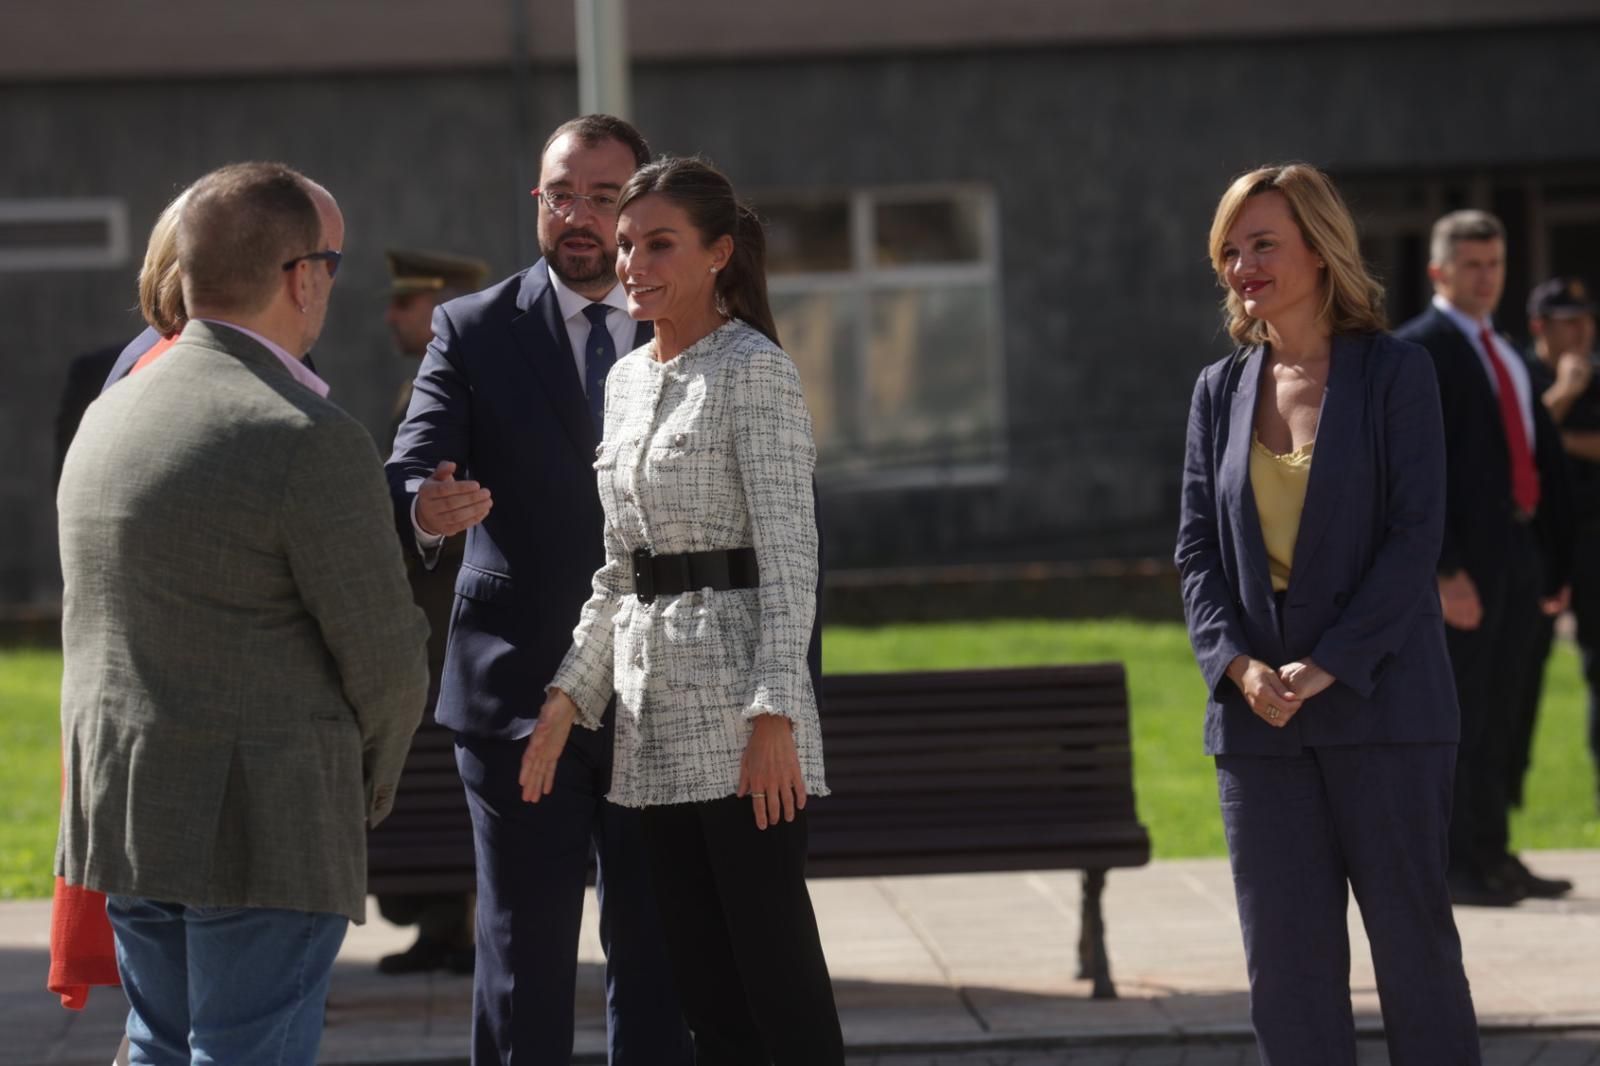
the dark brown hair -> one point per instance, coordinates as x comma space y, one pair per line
592, 129
239, 225
706, 196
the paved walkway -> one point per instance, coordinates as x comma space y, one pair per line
972, 970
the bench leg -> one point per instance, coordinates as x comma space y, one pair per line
1093, 963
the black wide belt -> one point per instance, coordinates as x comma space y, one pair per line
672, 575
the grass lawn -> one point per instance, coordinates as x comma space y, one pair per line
1174, 782
30, 770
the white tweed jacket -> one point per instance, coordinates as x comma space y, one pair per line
710, 451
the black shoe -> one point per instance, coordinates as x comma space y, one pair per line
421, 957
1476, 890
1534, 886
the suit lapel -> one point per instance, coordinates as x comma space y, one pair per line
1338, 427
1234, 477
542, 335
1470, 370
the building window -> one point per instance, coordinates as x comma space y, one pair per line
63, 234
889, 302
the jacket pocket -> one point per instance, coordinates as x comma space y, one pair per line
483, 585
707, 644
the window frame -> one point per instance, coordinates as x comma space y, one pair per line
863, 470
114, 252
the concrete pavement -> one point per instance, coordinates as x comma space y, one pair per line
966, 970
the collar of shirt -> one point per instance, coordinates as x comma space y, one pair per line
572, 303
621, 326
1509, 358
298, 370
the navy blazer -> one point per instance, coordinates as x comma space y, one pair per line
1478, 502
1362, 600
498, 394
130, 355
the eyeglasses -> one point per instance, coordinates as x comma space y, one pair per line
565, 203
329, 257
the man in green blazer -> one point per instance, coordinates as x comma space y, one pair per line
244, 666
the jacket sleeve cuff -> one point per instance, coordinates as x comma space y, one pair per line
1216, 668
1354, 671
590, 700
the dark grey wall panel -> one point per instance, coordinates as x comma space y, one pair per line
1106, 163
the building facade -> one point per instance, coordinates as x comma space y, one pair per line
987, 246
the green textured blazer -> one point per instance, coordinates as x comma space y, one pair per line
244, 667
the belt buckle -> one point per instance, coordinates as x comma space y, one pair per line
644, 581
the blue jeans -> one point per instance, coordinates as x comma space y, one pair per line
223, 985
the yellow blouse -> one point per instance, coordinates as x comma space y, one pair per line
1279, 484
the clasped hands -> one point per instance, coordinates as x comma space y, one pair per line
769, 773
1277, 695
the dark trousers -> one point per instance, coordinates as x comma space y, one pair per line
1302, 831
533, 861
1491, 665
441, 918
1519, 747
742, 935
1586, 610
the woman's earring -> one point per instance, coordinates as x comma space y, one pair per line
713, 270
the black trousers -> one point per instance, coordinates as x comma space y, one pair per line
532, 862
1491, 665
1586, 609
742, 936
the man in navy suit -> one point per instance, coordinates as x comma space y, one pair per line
507, 398
1506, 546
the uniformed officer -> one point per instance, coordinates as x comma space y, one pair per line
421, 281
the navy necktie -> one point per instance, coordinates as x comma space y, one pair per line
598, 356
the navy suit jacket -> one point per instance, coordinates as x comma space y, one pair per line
1362, 599
130, 355
1478, 501
498, 394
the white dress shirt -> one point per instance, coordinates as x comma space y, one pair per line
618, 323
1509, 357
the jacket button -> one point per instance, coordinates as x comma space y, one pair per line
677, 441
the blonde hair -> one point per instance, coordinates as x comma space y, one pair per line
1352, 299
160, 281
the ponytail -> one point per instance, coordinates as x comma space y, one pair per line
742, 285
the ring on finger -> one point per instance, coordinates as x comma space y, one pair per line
758, 795
1272, 713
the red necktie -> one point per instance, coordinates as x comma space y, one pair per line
1524, 475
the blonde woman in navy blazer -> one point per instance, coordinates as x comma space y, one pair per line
1332, 712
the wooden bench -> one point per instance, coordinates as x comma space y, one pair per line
982, 770
949, 772
425, 845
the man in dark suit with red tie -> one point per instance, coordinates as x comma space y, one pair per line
1506, 551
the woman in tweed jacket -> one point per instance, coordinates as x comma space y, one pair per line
708, 454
